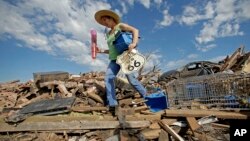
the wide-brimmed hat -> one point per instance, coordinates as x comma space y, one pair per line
99, 14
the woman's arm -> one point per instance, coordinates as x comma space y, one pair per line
134, 31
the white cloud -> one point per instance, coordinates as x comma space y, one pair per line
243, 9
170, 65
14, 24
145, 3
124, 6
176, 64
158, 2
167, 19
226, 20
205, 48
208, 33
59, 27
230, 30
221, 18
131, 2
192, 56
217, 59
192, 15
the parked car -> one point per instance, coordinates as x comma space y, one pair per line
197, 68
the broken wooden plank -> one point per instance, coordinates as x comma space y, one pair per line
92, 94
232, 59
193, 124
72, 125
66, 118
64, 91
203, 113
217, 125
170, 131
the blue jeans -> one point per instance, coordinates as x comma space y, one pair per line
111, 73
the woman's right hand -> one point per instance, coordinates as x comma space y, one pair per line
98, 50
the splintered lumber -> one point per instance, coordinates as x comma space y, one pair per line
203, 113
170, 131
71, 125
233, 59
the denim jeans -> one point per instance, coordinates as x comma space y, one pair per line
111, 73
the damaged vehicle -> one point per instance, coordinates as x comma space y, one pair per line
197, 68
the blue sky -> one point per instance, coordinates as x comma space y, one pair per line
54, 35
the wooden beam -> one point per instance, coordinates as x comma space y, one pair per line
72, 125
217, 125
203, 113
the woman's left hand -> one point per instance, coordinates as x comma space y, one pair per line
131, 46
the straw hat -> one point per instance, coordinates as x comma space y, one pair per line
110, 13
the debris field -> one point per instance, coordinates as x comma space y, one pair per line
61, 106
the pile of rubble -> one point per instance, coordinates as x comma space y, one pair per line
61, 106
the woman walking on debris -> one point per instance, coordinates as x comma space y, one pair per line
111, 20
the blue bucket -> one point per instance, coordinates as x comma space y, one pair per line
123, 39
157, 101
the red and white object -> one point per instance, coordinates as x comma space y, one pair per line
93, 43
